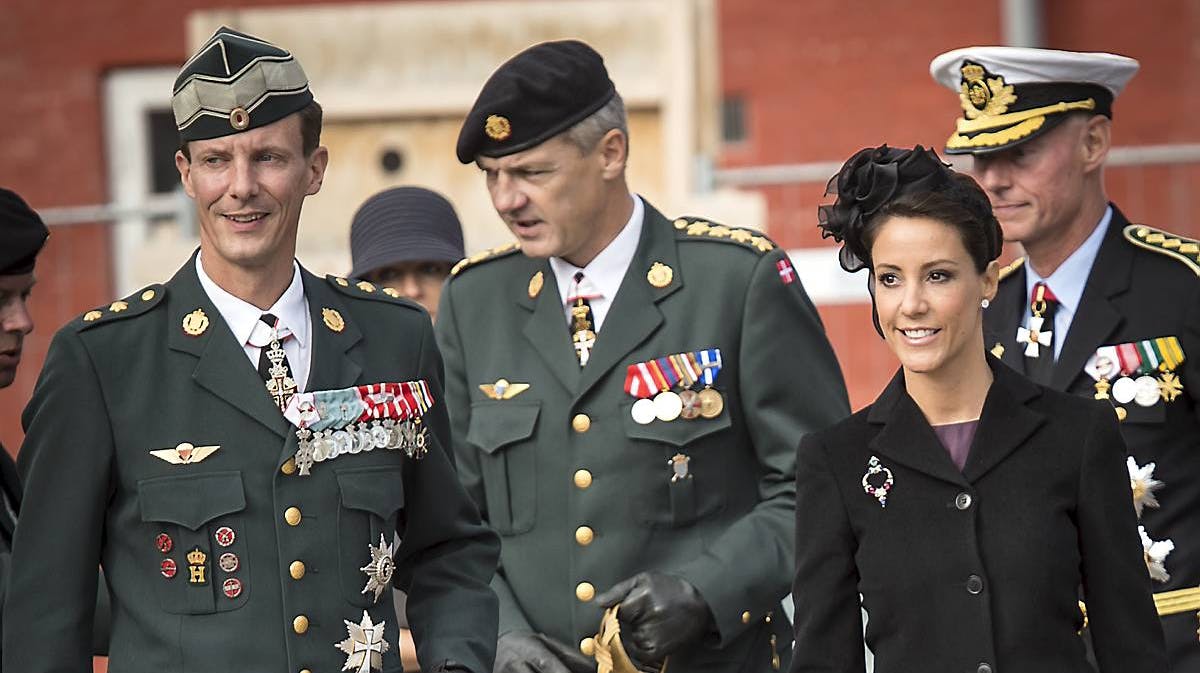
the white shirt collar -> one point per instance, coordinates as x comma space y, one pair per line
1069, 279
607, 269
241, 316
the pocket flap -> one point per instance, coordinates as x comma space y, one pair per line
679, 432
192, 500
378, 490
496, 424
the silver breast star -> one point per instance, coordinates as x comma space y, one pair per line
379, 570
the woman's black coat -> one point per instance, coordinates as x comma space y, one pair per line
976, 571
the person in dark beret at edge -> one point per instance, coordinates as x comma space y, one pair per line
967, 505
626, 392
1119, 314
241, 447
407, 239
22, 235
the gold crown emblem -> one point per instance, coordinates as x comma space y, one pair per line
972, 72
196, 557
497, 127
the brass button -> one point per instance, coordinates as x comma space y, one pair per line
297, 569
288, 468
583, 479
588, 647
746, 617
585, 592
584, 535
1121, 413
148, 295
292, 516
581, 423
300, 624
305, 670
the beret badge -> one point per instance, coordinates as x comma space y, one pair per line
497, 128
239, 118
981, 94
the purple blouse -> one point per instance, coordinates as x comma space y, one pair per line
957, 438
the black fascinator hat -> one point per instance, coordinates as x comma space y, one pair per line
868, 181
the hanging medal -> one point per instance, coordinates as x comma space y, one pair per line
711, 402
1032, 334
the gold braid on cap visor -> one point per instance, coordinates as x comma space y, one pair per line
1024, 123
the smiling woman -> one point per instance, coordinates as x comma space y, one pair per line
994, 497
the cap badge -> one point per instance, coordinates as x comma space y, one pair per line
497, 127
535, 284
982, 95
239, 119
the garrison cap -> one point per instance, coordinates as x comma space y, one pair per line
404, 224
234, 83
534, 96
1012, 94
22, 234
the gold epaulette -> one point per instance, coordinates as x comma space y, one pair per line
1010, 268
366, 290
490, 254
135, 304
695, 228
1185, 250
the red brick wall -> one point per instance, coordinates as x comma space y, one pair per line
824, 78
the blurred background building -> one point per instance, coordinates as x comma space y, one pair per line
740, 111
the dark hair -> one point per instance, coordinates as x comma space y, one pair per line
310, 130
881, 182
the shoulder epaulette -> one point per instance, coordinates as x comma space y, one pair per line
1185, 250
362, 289
1011, 268
135, 304
485, 256
698, 229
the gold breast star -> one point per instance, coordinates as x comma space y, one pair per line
379, 570
1169, 386
365, 647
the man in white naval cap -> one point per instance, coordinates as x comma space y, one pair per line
1097, 306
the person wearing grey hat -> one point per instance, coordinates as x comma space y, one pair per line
407, 239
173, 436
1119, 315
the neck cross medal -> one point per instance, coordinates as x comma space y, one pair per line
281, 386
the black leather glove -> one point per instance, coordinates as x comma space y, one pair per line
659, 614
528, 652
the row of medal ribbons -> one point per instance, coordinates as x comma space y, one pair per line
654, 382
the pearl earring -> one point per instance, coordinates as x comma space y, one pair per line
985, 303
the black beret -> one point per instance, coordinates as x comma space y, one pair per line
22, 234
404, 224
534, 96
234, 83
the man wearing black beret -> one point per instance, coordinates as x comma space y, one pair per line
626, 393
241, 447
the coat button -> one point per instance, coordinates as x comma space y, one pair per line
584, 536
581, 423
305, 670
292, 516
588, 647
983, 668
583, 479
746, 617
963, 501
300, 624
297, 569
289, 467
585, 592
975, 585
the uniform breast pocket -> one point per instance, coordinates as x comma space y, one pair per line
506, 462
194, 525
371, 498
692, 484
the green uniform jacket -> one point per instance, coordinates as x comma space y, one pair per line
131, 381
566, 454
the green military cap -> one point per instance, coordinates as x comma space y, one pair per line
534, 96
1010, 95
234, 83
22, 234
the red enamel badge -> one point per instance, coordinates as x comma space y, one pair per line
232, 587
167, 568
228, 562
225, 536
164, 543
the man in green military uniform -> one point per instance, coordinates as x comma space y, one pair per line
626, 393
246, 520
